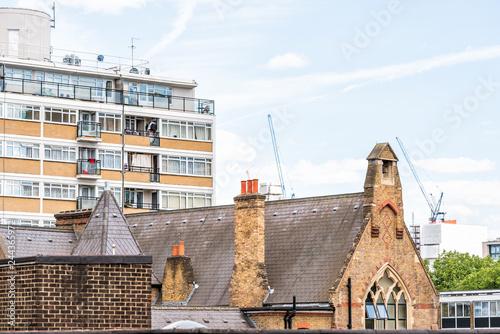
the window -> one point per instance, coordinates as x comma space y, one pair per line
116, 191
110, 159
486, 314
385, 304
186, 166
181, 200
63, 191
494, 251
19, 111
18, 74
53, 77
58, 115
59, 153
1, 106
455, 315
110, 122
21, 188
29, 222
186, 130
22, 150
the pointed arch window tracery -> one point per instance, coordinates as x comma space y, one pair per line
386, 303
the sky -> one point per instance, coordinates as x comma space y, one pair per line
337, 78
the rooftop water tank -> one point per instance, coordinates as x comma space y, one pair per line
24, 34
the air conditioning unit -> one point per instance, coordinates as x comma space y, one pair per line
72, 60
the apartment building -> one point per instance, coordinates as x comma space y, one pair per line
71, 121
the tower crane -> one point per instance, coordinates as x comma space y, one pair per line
431, 201
277, 156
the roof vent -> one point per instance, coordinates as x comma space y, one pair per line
335, 209
50, 240
115, 215
97, 214
224, 321
184, 221
150, 224
29, 238
219, 219
275, 214
205, 320
71, 241
315, 210
294, 212
167, 223
202, 220
135, 225
356, 207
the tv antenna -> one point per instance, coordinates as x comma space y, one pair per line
132, 47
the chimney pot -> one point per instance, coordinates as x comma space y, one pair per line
249, 187
181, 247
175, 252
243, 187
255, 185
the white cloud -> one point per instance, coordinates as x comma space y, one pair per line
330, 172
185, 12
294, 86
471, 192
286, 61
231, 148
457, 165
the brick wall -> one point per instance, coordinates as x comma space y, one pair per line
76, 292
73, 220
275, 320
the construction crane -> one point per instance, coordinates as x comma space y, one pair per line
277, 156
431, 201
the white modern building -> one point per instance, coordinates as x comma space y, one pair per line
71, 121
439, 237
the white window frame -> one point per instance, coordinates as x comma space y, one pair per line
68, 114
116, 120
50, 150
19, 188
186, 200
186, 165
187, 130
20, 150
116, 157
116, 191
16, 111
59, 191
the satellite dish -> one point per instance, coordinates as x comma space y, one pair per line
100, 58
184, 324
134, 70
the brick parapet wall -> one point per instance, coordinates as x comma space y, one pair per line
97, 293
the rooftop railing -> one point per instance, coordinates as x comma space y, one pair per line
105, 95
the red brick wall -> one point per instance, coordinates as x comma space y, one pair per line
77, 296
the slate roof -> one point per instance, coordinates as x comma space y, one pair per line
106, 227
212, 317
307, 241
382, 151
39, 240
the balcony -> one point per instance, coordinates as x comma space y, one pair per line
148, 206
154, 173
104, 95
154, 140
88, 169
88, 131
83, 202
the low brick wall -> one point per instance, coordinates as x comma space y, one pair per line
75, 293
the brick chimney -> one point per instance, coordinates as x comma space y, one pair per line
73, 220
248, 286
178, 277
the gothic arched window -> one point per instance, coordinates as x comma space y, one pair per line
385, 304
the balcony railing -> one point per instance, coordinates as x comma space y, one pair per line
150, 206
84, 202
89, 129
143, 169
153, 141
99, 94
88, 167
